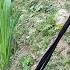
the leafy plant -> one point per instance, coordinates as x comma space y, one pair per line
26, 62
6, 31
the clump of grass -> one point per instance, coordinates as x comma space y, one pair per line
26, 62
6, 30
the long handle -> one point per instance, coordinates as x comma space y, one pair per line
45, 59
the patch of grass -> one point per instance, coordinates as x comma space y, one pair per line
39, 6
26, 62
67, 37
40, 39
36, 28
37, 25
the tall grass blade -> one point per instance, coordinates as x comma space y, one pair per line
6, 27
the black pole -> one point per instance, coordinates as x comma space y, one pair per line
45, 59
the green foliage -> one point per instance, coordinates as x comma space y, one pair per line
67, 37
48, 27
43, 34
26, 62
36, 28
37, 25
6, 30
40, 6
67, 61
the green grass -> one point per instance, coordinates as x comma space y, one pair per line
6, 30
26, 62
36, 29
